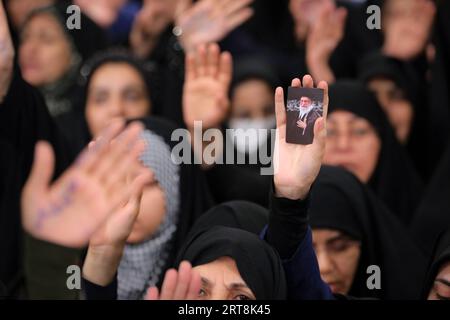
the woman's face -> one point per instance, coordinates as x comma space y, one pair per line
252, 99
151, 211
398, 109
352, 143
221, 280
441, 286
44, 52
338, 257
116, 91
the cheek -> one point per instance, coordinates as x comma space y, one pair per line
367, 151
96, 118
346, 265
137, 110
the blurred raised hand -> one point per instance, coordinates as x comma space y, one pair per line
206, 86
325, 34
103, 12
208, 21
70, 210
6, 54
184, 284
151, 21
297, 166
407, 26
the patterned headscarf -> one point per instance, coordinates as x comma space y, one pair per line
142, 264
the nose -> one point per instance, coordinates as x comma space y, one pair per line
325, 263
116, 109
343, 141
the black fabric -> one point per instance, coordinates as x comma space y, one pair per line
24, 120
259, 264
439, 87
288, 224
394, 179
340, 202
440, 255
432, 216
409, 80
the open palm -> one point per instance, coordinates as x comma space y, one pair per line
71, 209
210, 21
297, 166
207, 80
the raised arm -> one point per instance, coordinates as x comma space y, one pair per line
296, 168
6, 54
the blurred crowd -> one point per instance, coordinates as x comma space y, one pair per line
92, 92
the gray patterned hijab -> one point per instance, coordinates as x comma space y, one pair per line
142, 264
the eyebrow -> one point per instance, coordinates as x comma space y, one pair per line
443, 281
338, 237
232, 286
237, 286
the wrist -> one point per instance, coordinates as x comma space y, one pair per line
292, 193
101, 264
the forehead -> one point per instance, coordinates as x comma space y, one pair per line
223, 268
43, 21
444, 271
113, 74
324, 234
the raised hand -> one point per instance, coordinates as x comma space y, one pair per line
184, 284
325, 35
207, 81
6, 54
103, 12
71, 209
210, 21
407, 29
297, 166
149, 24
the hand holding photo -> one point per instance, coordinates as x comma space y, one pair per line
304, 106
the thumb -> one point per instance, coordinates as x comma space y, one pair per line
43, 166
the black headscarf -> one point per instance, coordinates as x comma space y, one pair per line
407, 79
432, 216
441, 255
341, 202
394, 179
230, 230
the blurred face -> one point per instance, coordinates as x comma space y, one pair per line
221, 281
20, 9
441, 286
352, 143
338, 257
116, 90
305, 102
151, 211
252, 99
398, 109
44, 53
